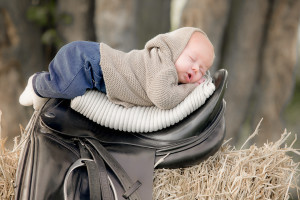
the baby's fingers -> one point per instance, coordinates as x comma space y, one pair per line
202, 80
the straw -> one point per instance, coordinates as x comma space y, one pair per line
8, 164
265, 172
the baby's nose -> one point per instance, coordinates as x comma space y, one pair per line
195, 68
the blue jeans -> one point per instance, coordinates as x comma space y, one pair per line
74, 69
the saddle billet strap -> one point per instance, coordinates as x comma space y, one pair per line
129, 186
97, 176
94, 180
93, 175
106, 192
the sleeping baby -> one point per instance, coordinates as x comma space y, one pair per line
162, 74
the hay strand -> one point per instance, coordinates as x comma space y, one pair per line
255, 173
8, 164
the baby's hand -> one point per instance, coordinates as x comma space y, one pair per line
202, 79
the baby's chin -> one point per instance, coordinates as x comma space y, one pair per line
181, 80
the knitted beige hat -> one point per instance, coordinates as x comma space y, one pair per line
176, 40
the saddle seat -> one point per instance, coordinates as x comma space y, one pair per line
186, 143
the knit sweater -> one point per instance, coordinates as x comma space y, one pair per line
147, 77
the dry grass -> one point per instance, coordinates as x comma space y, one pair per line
8, 164
255, 173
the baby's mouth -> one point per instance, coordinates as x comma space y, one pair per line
189, 77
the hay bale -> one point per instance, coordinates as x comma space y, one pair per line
254, 173
8, 164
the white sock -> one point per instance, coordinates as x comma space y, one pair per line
38, 102
29, 97
26, 97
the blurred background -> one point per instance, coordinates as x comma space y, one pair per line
256, 41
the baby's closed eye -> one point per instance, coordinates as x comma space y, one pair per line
192, 59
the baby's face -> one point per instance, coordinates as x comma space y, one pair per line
196, 58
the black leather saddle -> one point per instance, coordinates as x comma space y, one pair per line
188, 142
55, 145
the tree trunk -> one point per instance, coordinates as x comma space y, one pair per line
129, 24
17, 62
278, 63
75, 20
241, 54
256, 42
115, 23
151, 18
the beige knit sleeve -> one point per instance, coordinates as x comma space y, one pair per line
165, 93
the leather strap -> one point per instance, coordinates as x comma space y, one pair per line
106, 192
97, 175
94, 180
129, 186
92, 169
131, 190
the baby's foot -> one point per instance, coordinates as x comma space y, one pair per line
26, 98
38, 102
29, 97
